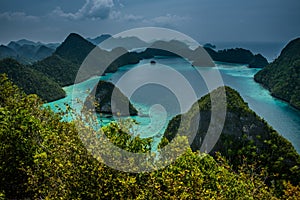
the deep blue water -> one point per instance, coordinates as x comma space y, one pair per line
157, 104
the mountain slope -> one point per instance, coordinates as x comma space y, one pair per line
22, 42
37, 44
244, 135
60, 70
129, 43
65, 62
99, 39
31, 81
75, 48
282, 77
63, 65
6, 52
43, 52
25, 52
29, 52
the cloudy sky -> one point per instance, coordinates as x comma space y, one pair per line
203, 20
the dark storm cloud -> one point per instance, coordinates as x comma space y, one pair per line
204, 20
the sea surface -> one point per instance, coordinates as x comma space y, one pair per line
159, 100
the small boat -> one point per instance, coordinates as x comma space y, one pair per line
152, 62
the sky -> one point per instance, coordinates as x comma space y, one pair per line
202, 20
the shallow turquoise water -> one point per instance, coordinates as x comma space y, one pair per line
281, 116
153, 118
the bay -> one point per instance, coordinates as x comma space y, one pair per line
158, 104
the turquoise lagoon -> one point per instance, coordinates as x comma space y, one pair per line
157, 104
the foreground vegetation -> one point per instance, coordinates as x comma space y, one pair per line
44, 158
244, 135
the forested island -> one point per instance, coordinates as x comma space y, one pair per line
282, 76
238, 55
106, 98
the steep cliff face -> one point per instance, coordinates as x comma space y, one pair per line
282, 77
244, 134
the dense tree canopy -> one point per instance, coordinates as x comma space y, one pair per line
238, 55
44, 158
108, 99
244, 135
31, 81
282, 77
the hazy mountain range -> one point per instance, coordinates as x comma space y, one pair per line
26, 51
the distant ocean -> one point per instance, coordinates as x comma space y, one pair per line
270, 50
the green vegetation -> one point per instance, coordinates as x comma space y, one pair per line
63, 65
258, 61
75, 48
126, 59
31, 81
238, 55
176, 48
282, 77
65, 62
244, 135
60, 70
26, 52
44, 158
106, 96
